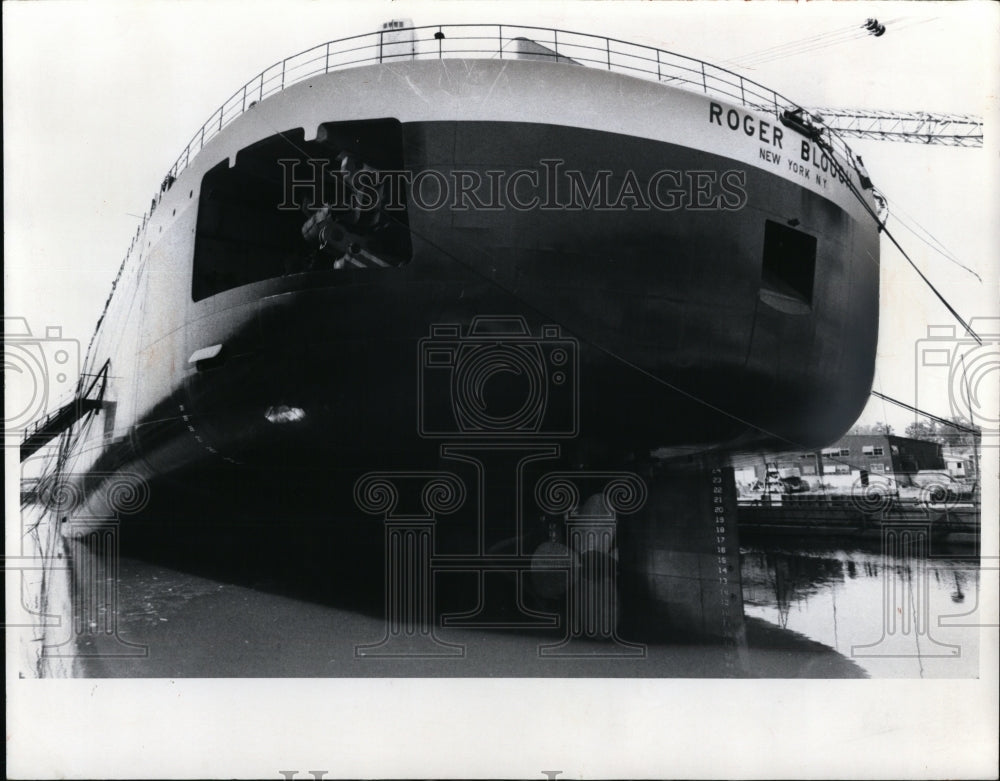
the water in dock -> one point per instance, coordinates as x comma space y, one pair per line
810, 609
903, 608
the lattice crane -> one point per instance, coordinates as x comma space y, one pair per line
913, 127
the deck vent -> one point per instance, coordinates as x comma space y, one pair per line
789, 265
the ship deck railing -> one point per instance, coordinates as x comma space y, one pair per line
498, 41
489, 41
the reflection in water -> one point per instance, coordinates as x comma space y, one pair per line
45, 608
958, 595
893, 612
124, 617
278, 609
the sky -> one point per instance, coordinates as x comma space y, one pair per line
100, 98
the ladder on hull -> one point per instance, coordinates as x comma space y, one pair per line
52, 425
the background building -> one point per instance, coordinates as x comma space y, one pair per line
961, 463
854, 457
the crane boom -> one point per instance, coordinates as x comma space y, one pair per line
914, 127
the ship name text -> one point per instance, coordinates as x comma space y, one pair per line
751, 126
812, 164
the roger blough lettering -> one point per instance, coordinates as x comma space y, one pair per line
551, 186
751, 126
821, 160
763, 131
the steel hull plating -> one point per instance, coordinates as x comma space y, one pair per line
612, 275
677, 344
676, 338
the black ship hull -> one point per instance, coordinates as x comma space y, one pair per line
553, 290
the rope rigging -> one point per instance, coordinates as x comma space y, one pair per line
935, 418
871, 28
824, 144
